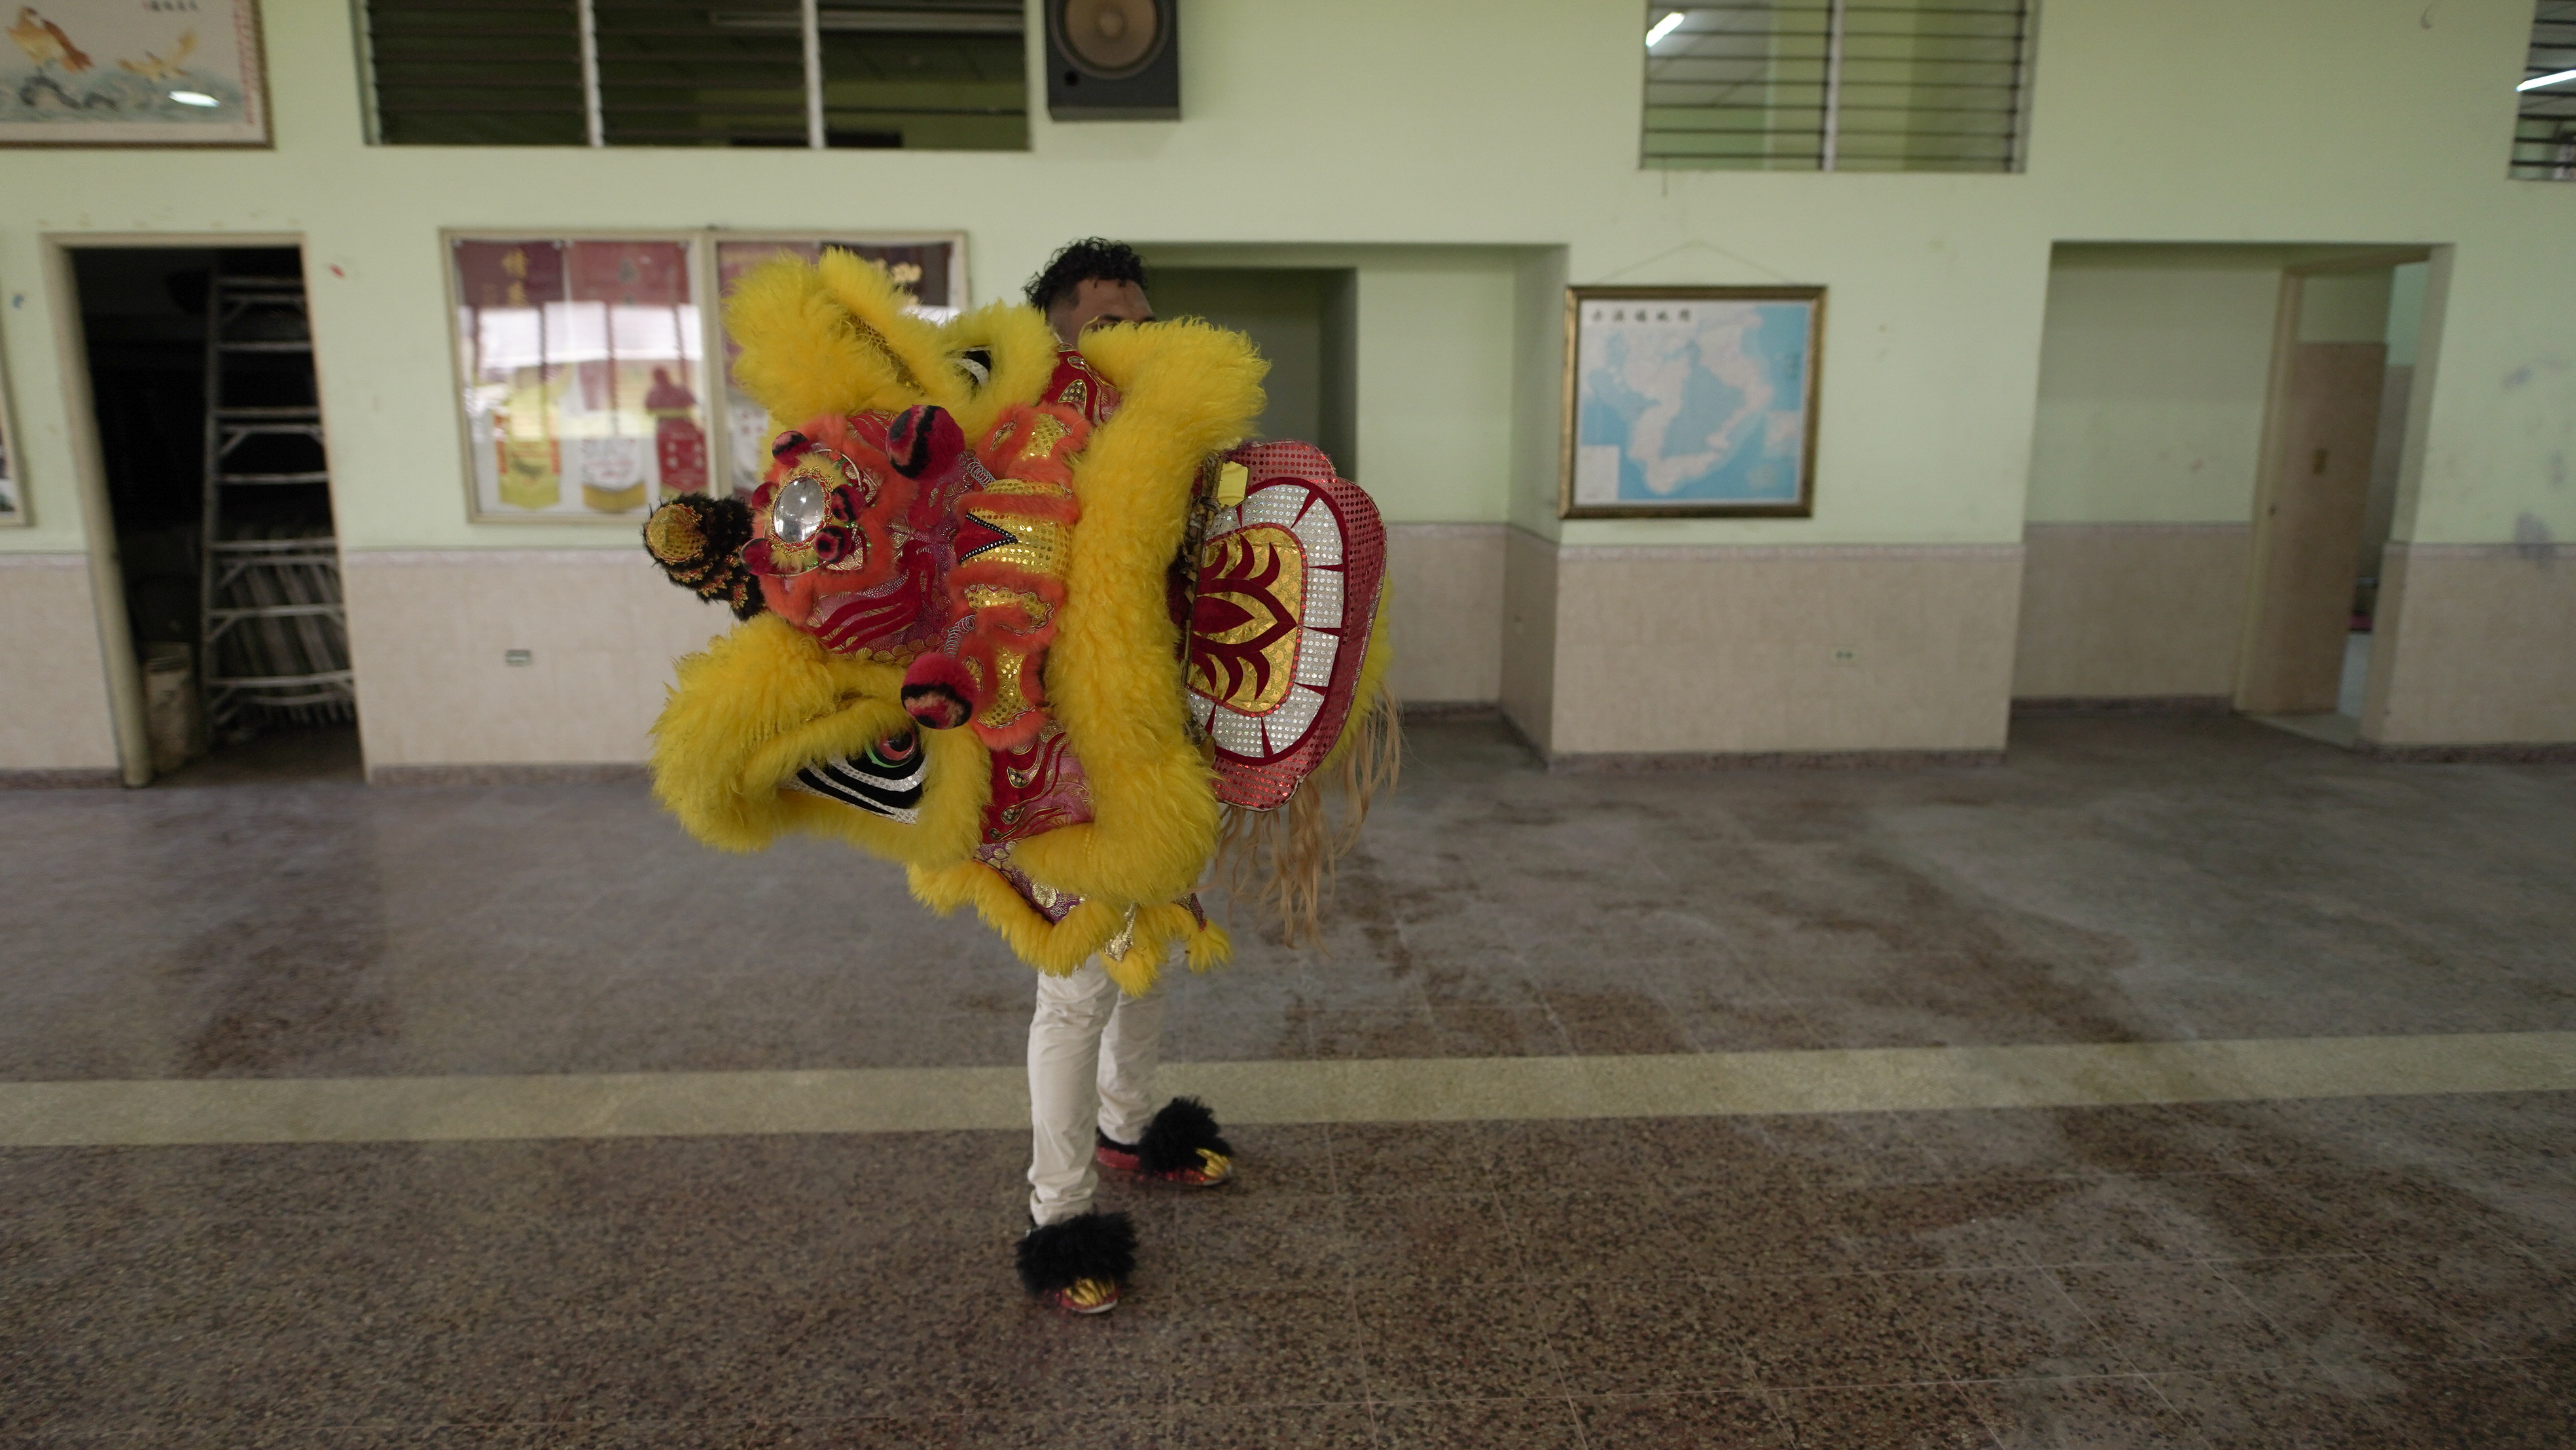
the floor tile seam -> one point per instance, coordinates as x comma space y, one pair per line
2189, 1421
2462, 1327
2171, 1259
1574, 1417
1786, 1387
2096, 1325
2159, 1380
2306, 1357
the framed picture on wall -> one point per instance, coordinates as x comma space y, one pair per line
932, 266
581, 363
1691, 402
13, 490
132, 73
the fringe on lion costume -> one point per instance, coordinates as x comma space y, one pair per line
1033, 622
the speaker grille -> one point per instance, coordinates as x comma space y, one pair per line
1109, 39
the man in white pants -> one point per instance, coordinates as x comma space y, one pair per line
1092, 1048
1092, 1054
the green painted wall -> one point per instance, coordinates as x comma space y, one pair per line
2153, 369
1495, 132
1286, 311
2155, 363
1434, 355
2406, 312
2345, 306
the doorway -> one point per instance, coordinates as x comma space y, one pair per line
2326, 496
211, 456
1304, 320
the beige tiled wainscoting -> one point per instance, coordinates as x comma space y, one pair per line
1699, 654
54, 723
2118, 612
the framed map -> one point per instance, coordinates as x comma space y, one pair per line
1691, 402
132, 73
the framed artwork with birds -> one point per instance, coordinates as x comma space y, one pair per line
132, 73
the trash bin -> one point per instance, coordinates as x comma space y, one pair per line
171, 713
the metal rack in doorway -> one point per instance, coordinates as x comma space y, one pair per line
274, 645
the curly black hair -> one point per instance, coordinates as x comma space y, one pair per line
1093, 259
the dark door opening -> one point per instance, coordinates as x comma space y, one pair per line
1305, 321
210, 438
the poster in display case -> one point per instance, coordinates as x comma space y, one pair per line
582, 367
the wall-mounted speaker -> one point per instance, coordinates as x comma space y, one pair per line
1113, 60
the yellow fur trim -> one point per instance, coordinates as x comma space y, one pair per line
1062, 947
881, 311
766, 701
1113, 678
832, 337
1023, 350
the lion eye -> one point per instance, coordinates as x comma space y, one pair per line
800, 511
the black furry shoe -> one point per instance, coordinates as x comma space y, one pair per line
1181, 1146
1080, 1264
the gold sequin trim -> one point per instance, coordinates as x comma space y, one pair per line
1041, 546
1026, 488
1009, 703
994, 596
1125, 941
674, 534
902, 373
1045, 432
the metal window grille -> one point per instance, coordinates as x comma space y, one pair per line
938, 74
1838, 85
2544, 125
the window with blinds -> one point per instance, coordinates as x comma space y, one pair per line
2544, 125
923, 74
1838, 85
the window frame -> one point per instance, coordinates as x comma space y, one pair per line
594, 115
2016, 136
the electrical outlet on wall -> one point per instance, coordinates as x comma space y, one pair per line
1845, 656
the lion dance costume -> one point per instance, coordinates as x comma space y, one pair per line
1034, 623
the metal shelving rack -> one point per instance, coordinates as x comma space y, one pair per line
274, 642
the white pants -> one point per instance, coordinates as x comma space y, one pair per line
1092, 1054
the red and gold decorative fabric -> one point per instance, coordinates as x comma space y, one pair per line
1286, 588
1078, 386
977, 667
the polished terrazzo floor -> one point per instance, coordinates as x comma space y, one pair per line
2394, 1269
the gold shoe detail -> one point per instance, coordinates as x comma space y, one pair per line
1088, 1296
